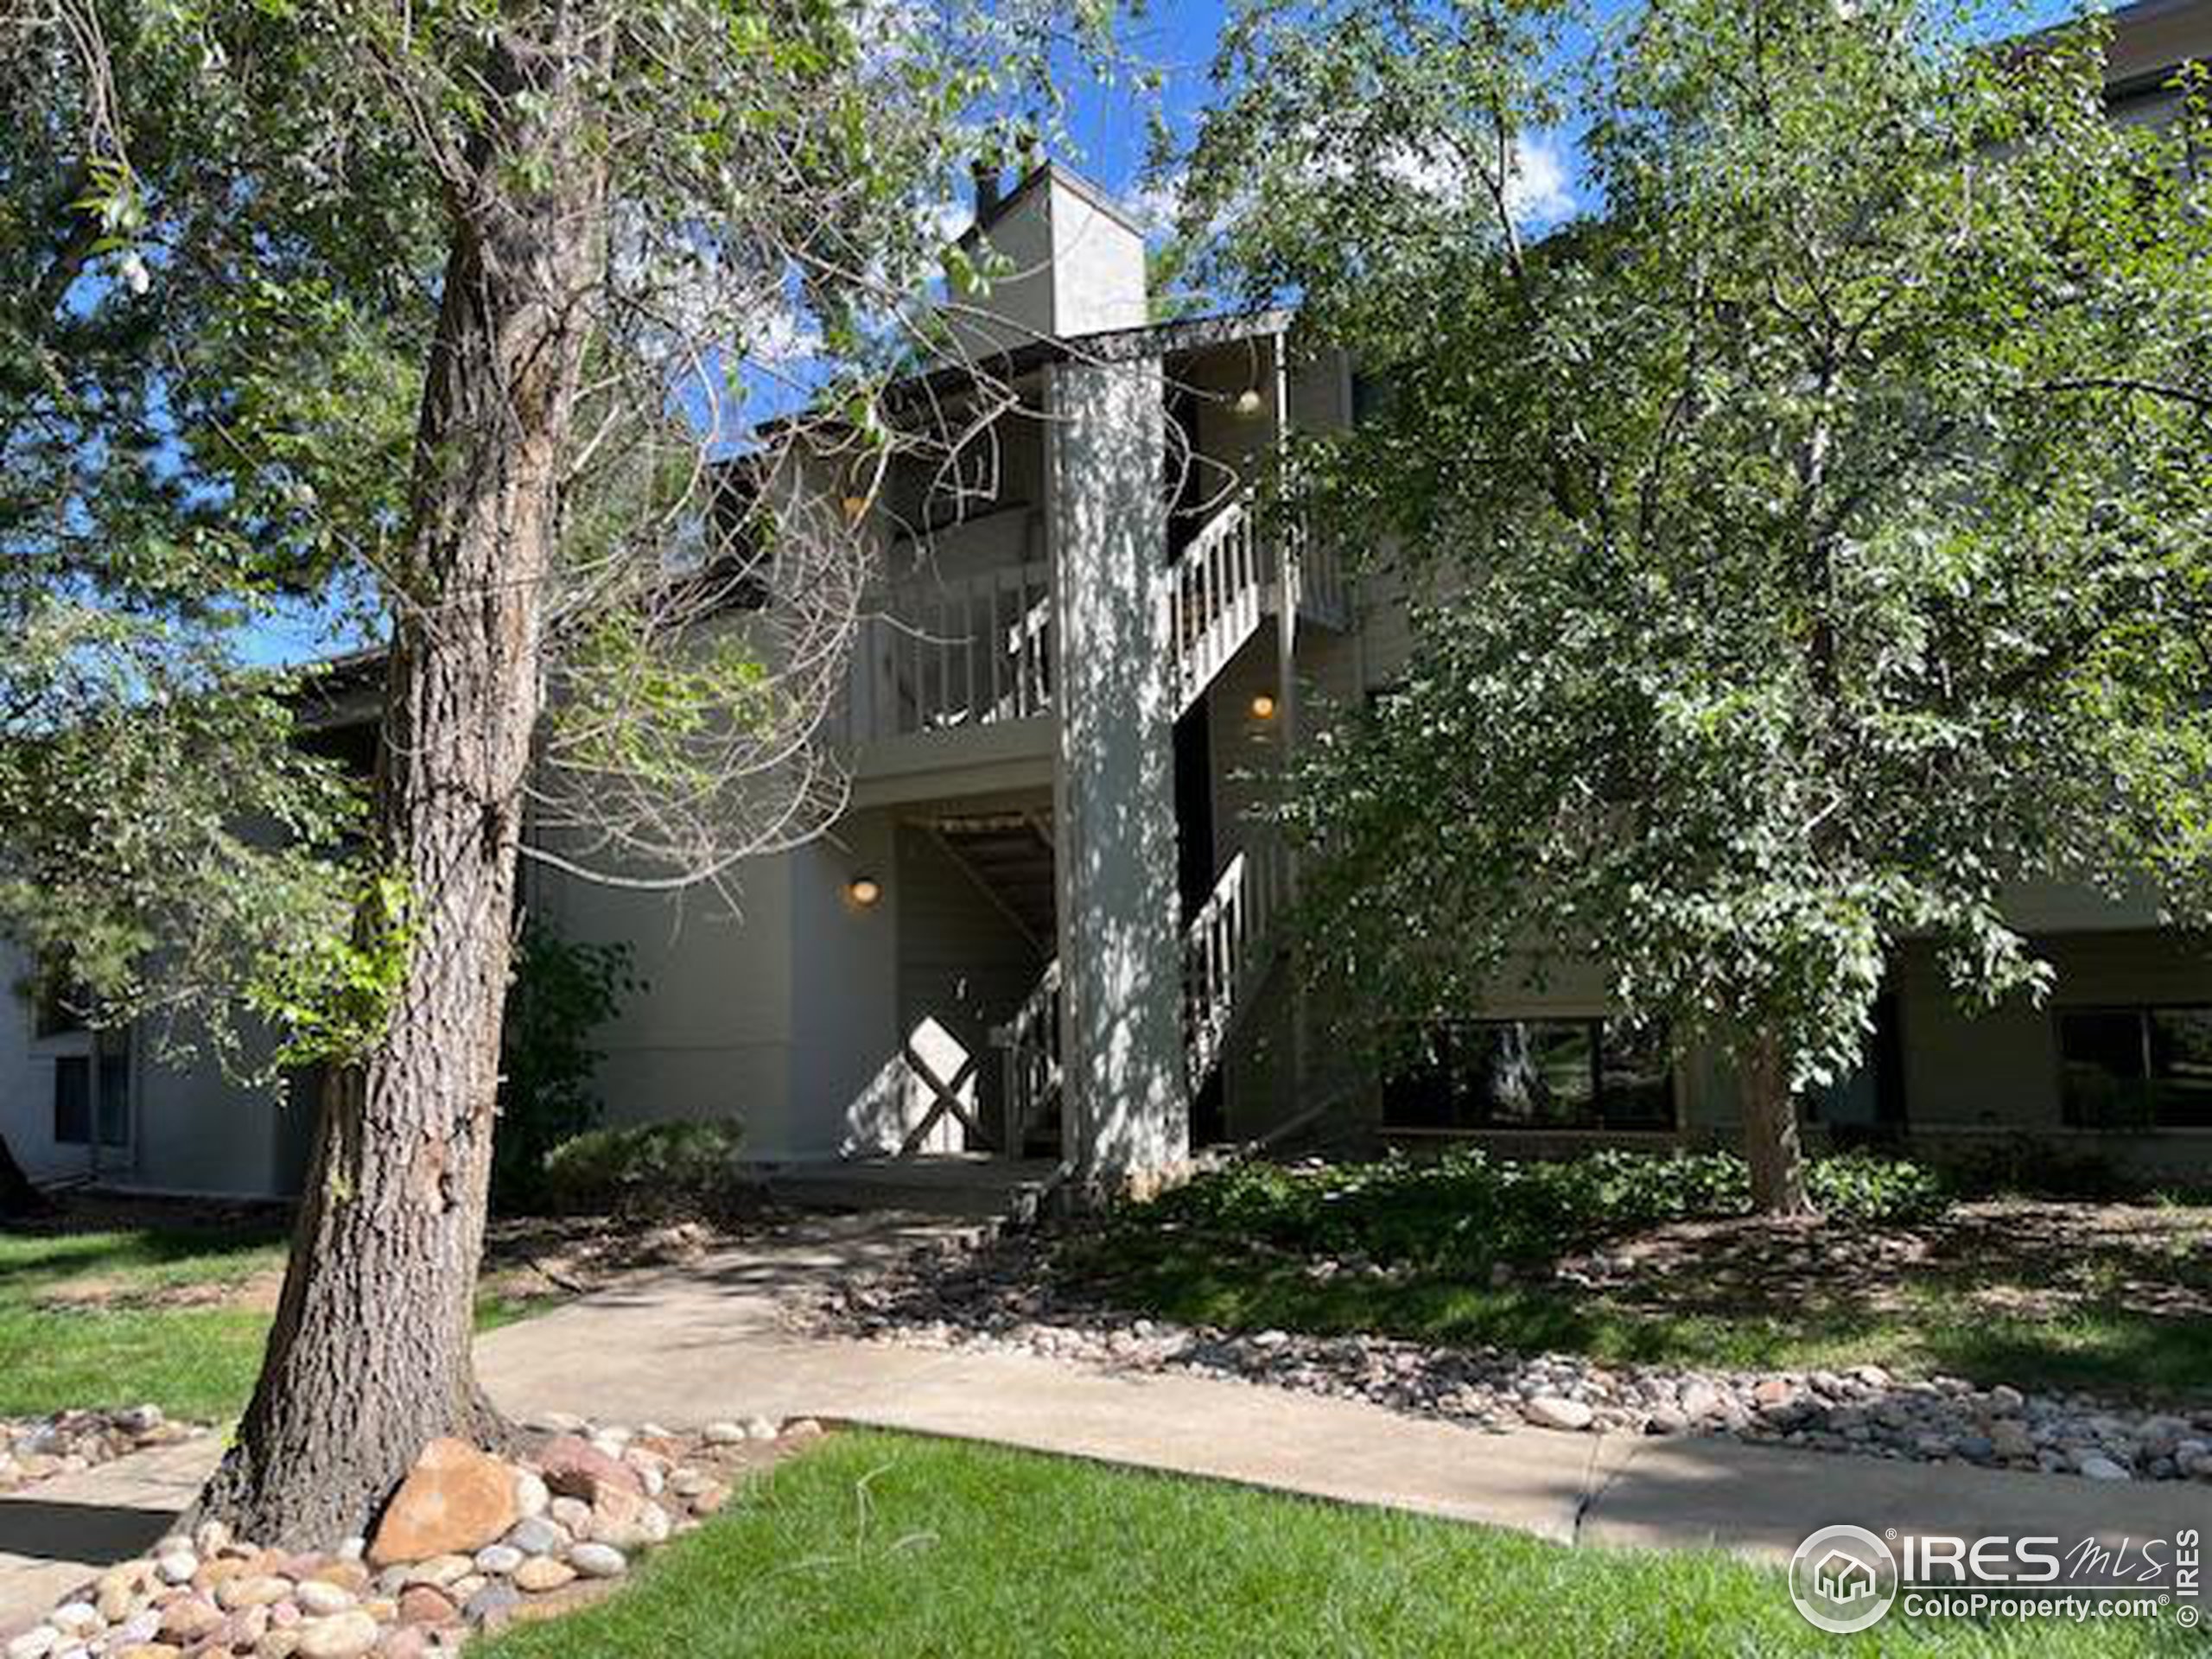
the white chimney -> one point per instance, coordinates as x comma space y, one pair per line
1074, 262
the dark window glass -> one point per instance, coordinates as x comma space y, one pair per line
73, 1100
1637, 1086
2181, 1067
115, 1099
1529, 1074
2103, 1079
59, 1008
1419, 1093
1371, 396
2136, 1068
1534, 1074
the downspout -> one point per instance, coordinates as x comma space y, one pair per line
1287, 703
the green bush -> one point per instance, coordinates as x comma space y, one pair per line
2031, 1166
1467, 1209
561, 993
648, 1168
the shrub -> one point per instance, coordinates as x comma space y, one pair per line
2030, 1167
1865, 1186
1466, 1209
562, 992
646, 1168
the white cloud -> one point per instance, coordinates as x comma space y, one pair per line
1157, 204
1539, 190
945, 221
784, 338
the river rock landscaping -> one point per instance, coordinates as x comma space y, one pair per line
470, 1542
33, 1449
1005, 1298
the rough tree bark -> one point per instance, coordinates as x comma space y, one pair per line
370, 1355
1771, 1142
18, 1198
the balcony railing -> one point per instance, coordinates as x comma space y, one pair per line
950, 654
945, 655
1224, 948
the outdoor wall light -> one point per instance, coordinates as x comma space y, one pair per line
1263, 707
1247, 401
864, 891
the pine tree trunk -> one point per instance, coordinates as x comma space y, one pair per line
1771, 1145
369, 1356
18, 1198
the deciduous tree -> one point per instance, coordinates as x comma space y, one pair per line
474, 308
1807, 540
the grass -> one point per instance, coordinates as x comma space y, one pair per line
115, 1318
2114, 1300
878, 1545
1937, 1325
176, 1316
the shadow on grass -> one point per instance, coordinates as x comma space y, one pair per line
1932, 1318
153, 1256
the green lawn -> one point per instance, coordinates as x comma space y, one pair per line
2053, 1295
159, 1314
112, 1319
1938, 1320
877, 1545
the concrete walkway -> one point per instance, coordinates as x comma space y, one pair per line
684, 1348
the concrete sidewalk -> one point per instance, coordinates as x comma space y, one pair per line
685, 1348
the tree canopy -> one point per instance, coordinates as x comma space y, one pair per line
1808, 541
226, 235
475, 314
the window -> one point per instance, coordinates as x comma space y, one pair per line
2136, 1068
73, 1100
91, 1095
1535, 1074
113, 1098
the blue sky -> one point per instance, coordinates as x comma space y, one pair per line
1108, 123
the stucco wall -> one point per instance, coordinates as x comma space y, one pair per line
193, 1130
709, 1034
1114, 806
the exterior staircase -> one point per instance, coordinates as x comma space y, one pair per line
1010, 857
1225, 585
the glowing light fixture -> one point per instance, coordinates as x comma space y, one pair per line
1263, 707
1247, 401
864, 891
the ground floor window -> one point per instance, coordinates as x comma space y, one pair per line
91, 1094
73, 1100
1534, 1074
2136, 1067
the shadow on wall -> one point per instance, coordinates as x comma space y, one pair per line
925, 1098
1121, 946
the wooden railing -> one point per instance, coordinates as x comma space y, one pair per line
1315, 578
1029, 1046
1229, 578
1216, 595
1223, 948
944, 655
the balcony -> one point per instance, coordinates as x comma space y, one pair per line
955, 673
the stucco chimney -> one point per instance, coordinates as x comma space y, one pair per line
1073, 261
